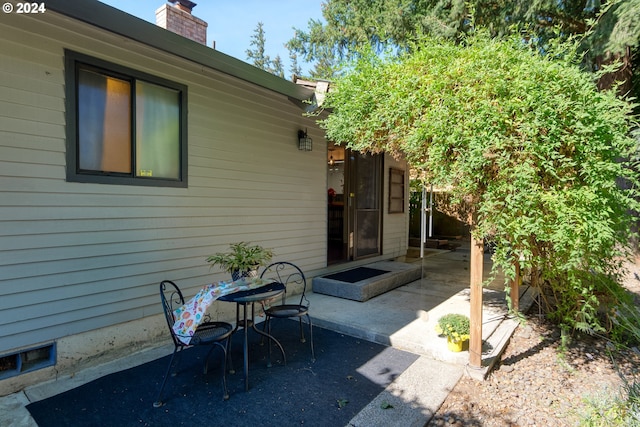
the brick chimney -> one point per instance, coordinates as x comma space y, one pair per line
177, 18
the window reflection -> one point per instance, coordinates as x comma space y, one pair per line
104, 122
157, 131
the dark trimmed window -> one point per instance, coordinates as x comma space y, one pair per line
124, 126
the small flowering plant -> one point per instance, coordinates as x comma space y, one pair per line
454, 326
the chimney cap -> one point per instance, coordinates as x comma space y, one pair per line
186, 4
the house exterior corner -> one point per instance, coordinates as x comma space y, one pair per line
81, 260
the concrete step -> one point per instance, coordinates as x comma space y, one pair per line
398, 274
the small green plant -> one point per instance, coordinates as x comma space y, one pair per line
342, 403
623, 407
454, 326
242, 257
616, 410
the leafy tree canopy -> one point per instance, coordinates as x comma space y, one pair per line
352, 24
526, 143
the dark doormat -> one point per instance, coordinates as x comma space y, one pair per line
356, 274
347, 375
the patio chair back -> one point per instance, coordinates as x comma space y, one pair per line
171, 298
291, 276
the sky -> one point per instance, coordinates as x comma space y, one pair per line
232, 22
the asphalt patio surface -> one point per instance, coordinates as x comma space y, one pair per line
404, 318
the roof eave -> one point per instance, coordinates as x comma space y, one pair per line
116, 21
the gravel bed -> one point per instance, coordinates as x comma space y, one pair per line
535, 385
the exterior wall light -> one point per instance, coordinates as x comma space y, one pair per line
304, 142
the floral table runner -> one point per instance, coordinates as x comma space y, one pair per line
190, 315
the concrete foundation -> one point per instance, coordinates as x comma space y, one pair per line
77, 352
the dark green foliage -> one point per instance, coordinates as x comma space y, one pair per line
258, 56
242, 256
610, 30
529, 148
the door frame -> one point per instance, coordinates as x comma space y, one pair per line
348, 249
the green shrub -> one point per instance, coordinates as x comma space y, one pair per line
531, 152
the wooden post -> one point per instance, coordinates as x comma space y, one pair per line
475, 339
515, 288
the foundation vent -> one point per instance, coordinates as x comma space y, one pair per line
27, 360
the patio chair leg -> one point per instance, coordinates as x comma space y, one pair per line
231, 369
225, 349
158, 402
206, 360
225, 354
301, 330
268, 326
264, 328
313, 354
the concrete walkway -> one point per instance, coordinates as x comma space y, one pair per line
404, 318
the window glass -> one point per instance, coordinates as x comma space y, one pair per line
124, 126
396, 190
157, 131
104, 123
367, 181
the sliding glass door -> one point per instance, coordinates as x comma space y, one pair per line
354, 211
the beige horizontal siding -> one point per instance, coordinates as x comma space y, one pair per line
74, 256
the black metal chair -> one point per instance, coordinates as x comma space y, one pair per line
290, 276
207, 333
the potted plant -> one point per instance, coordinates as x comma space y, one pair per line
242, 260
456, 328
